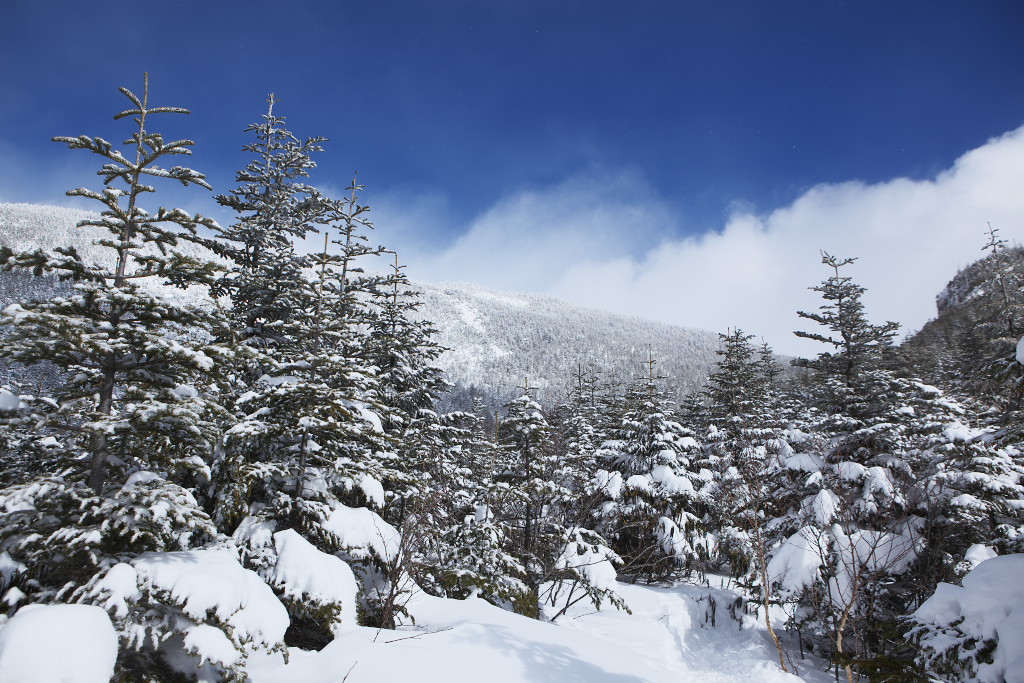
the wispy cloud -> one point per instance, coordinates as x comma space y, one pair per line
529, 239
598, 239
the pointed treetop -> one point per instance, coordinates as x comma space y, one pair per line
994, 242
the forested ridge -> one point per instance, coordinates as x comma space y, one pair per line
232, 447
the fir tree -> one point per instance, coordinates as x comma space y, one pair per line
306, 400
862, 509
135, 364
857, 345
136, 415
743, 444
402, 351
535, 499
1000, 312
650, 482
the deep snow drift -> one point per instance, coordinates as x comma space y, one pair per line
668, 637
677, 634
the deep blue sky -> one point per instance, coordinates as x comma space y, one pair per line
714, 103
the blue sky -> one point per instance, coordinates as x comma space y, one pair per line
657, 123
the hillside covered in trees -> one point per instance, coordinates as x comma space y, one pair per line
222, 458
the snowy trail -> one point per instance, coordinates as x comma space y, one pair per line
679, 619
664, 639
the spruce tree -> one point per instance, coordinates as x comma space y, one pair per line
408, 384
999, 329
857, 345
746, 492
536, 500
865, 503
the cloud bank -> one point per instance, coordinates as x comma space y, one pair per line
599, 240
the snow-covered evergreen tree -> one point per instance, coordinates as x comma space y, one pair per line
135, 420
1000, 325
649, 483
135, 364
865, 501
534, 498
304, 399
402, 351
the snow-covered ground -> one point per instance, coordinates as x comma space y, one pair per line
668, 637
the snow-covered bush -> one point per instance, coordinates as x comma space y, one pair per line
325, 531
318, 589
469, 559
975, 632
585, 570
60, 533
194, 612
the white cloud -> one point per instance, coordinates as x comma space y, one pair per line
594, 240
529, 238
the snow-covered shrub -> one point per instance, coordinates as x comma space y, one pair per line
469, 559
647, 518
358, 538
585, 570
318, 589
980, 488
975, 632
61, 533
194, 612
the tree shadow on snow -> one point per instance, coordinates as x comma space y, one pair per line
545, 662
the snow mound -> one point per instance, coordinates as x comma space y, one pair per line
9, 401
362, 531
305, 573
58, 644
797, 563
206, 586
989, 607
596, 562
213, 581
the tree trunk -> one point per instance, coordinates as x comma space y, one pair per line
98, 470
765, 593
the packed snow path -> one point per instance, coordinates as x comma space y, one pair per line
692, 631
668, 637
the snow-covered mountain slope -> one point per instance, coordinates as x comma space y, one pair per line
495, 340
498, 339
27, 227
968, 283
